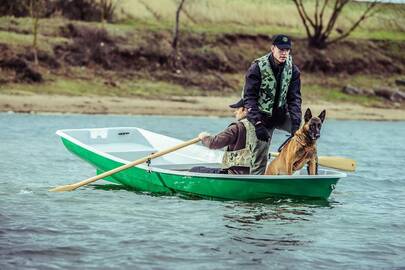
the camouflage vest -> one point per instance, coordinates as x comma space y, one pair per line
268, 84
242, 157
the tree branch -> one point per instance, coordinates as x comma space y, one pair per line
356, 24
339, 5
316, 12
151, 10
302, 18
321, 13
306, 15
176, 28
187, 14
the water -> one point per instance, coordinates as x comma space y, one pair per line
360, 227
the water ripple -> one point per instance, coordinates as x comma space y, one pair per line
105, 226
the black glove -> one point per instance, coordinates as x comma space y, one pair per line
261, 133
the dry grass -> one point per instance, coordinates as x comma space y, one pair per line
260, 14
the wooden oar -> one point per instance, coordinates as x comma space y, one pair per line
340, 163
123, 167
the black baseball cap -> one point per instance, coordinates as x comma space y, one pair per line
237, 104
282, 41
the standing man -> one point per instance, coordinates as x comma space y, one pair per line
272, 95
240, 140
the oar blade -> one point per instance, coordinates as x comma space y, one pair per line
340, 163
63, 188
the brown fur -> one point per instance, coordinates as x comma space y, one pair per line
300, 150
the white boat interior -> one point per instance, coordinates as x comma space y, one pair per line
125, 144
130, 143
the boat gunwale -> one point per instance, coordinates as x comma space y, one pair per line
61, 133
250, 176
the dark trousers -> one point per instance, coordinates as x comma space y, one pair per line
262, 148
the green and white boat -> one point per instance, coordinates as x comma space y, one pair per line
109, 148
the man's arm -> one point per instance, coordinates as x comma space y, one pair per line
294, 100
251, 93
225, 138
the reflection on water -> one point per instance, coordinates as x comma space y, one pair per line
284, 210
248, 222
272, 244
108, 187
248, 216
288, 201
117, 187
257, 224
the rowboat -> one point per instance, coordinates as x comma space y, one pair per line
109, 148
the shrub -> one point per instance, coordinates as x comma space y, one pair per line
85, 10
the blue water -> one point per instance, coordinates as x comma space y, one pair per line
362, 226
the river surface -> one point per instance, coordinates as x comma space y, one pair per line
361, 226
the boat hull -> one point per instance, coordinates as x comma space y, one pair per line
224, 187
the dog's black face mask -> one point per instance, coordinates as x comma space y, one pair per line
314, 130
314, 124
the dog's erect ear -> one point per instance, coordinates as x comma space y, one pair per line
308, 115
322, 115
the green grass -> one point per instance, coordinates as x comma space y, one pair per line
57, 87
12, 38
314, 88
315, 92
258, 16
366, 81
379, 35
159, 89
328, 87
44, 43
47, 27
17, 32
98, 86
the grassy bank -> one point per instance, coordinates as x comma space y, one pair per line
312, 89
219, 39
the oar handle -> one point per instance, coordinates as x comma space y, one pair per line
340, 163
126, 166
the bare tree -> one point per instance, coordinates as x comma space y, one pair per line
37, 8
174, 55
319, 30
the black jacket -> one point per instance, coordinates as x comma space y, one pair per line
293, 104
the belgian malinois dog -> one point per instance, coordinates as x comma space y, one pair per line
300, 149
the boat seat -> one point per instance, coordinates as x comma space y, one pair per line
123, 147
186, 167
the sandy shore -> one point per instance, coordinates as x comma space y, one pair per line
191, 106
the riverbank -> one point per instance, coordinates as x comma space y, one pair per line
192, 106
125, 68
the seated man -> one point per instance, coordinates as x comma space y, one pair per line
241, 155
